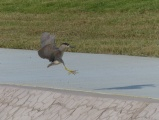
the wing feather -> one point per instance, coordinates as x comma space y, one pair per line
46, 39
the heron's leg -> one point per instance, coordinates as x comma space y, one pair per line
70, 71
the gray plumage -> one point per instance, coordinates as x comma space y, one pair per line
51, 52
46, 39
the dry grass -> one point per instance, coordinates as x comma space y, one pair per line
116, 30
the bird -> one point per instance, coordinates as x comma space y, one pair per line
50, 51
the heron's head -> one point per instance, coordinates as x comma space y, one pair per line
66, 45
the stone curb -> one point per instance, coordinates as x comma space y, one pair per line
30, 103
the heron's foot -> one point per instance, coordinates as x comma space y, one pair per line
71, 71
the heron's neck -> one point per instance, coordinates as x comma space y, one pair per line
62, 48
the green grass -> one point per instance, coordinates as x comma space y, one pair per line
129, 27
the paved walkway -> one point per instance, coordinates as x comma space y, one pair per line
111, 74
27, 103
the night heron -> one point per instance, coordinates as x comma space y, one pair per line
51, 52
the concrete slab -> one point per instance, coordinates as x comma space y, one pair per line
111, 74
28, 103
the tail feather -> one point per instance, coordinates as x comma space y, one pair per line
50, 64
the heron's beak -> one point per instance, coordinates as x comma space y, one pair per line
72, 46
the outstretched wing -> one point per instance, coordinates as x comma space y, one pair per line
46, 39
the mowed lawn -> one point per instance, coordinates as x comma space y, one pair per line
129, 27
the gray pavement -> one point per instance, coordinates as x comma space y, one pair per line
100, 73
